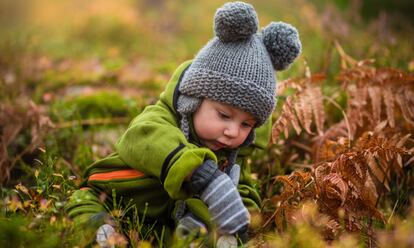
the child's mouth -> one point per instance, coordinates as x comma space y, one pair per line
220, 145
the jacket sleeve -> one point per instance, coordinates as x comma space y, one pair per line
249, 188
154, 145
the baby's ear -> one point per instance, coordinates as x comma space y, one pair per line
282, 43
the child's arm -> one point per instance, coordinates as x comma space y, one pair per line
154, 145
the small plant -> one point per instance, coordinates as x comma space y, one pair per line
354, 163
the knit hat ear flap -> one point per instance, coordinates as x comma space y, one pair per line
235, 21
186, 105
282, 43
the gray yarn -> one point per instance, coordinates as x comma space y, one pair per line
219, 191
236, 67
234, 174
228, 18
249, 86
283, 44
187, 105
225, 205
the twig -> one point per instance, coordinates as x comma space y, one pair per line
344, 57
301, 146
298, 165
393, 210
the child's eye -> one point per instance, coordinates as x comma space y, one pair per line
247, 125
223, 115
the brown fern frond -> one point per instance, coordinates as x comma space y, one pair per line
409, 98
287, 182
328, 146
296, 188
282, 124
378, 172
405, 108
299, 109
356, 106
374, 93
282, 86
389, 86
388, 97
356, 159
292, 117
333, 191
316, 101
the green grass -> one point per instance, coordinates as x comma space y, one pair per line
87, 61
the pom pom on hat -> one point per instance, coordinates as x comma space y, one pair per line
235, 21
282, 43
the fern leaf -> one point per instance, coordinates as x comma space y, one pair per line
405, 108
402, 141
374, 93
316, 101
291, 115
378, 171
388, 97
303, 109
409, 97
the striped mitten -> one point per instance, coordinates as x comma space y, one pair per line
217, 190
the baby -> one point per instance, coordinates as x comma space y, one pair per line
182, 161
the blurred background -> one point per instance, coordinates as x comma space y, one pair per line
77, 61
81, 60
90, 38
73, 73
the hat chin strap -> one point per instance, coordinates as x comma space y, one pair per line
186, 105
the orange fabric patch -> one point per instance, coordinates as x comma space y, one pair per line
120, 174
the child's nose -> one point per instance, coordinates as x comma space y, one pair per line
232, 130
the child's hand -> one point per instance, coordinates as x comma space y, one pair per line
224, 203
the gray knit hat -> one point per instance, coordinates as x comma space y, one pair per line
237, 66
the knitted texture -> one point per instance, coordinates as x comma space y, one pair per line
219, 191
283, 44
234, 174
228, 18
203, 175
186, 106
235, 67
234, 73
225, 205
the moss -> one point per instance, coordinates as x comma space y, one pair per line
97, 105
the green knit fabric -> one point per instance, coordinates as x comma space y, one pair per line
145, 146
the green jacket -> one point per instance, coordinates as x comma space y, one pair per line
152, 159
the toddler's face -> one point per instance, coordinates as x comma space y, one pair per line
220, 125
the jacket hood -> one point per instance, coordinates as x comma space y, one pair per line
171, 92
